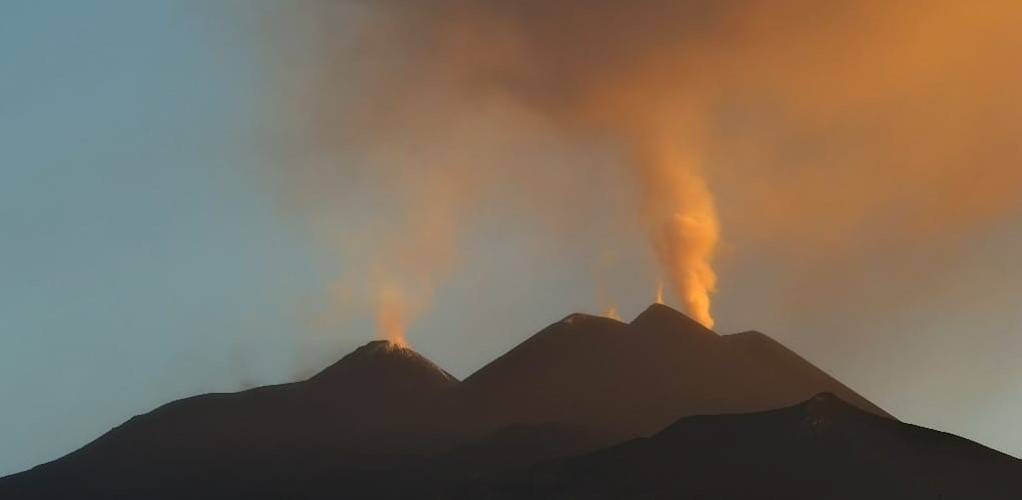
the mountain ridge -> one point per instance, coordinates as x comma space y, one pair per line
585, 386
823, 447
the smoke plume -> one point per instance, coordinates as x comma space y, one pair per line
824, 125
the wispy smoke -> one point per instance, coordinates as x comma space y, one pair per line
823, 124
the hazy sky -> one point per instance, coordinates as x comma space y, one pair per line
160, 236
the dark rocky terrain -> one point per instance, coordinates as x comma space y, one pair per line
589, 407
820, 448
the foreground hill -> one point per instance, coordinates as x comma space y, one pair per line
821, 448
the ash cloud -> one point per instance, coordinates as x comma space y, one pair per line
813, 126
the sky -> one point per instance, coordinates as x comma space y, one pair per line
141, 262
202, 197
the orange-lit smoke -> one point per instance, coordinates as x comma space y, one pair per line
822, 127
683, 226
391, 315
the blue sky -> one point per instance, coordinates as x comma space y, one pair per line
140, 259
144, 256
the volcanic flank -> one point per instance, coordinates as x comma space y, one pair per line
623, 380
820, 448
387, 422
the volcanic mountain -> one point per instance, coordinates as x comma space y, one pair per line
625, 380
376, 403
386, 422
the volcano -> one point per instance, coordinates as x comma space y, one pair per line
377, 403
557, 416
627, 380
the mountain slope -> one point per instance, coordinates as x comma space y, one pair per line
374, 406
627, 380
384, 422
821, 448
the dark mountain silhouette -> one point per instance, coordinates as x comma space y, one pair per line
821, 448
627, 380
377, 403
385, 422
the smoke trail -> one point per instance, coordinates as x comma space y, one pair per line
683, 225
391, 316
612, 313
826, 125
435, 79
